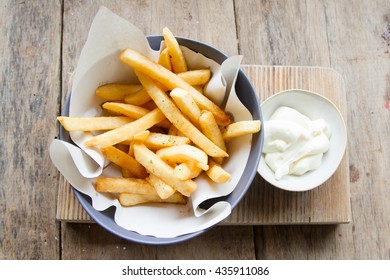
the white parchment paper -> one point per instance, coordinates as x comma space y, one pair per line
99, 64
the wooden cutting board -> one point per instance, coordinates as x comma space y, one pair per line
264, 204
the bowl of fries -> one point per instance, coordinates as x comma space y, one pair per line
162, 146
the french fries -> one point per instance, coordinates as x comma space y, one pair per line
217, 173
164, 132
93, 123
186, 104
174, 115
241, 128
125, 161
153, 70
196, 77
163, 189
155, 165
187, 170
138, 98
184, 153
126, 132
211, 129
124, 185
134, 191
178, 61
126, 149
129, 110
156, 141
132, 111
165, 60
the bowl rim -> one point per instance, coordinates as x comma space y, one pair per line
339, 157
100, 216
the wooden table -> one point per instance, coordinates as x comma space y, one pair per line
39, 48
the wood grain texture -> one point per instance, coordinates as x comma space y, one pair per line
344, 35
363, 60
282, 32
30, 47
83, 241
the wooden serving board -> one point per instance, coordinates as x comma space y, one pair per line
265, 204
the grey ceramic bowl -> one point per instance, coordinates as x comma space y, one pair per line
248, 97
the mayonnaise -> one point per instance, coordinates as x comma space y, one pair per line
294, 144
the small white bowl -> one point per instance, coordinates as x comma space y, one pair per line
314, 106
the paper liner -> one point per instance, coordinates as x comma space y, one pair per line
99, 64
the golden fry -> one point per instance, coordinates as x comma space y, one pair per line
93, 123
165, 60
124, 185
178, 61
217, 173
241, 128
128, 110
196, 77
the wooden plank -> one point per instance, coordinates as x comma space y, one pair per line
282, 32
264, 204
346, 36
81, 241
30, 48
68, 207
364, 61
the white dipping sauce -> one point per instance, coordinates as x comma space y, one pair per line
294, 144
